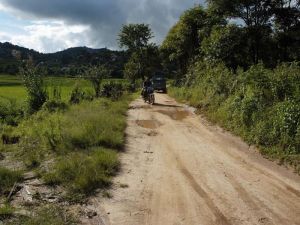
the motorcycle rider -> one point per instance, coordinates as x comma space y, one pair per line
146, 86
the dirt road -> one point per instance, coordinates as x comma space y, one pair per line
182, 171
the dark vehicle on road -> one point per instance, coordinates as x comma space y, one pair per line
159, 82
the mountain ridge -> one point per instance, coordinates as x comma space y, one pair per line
69, 61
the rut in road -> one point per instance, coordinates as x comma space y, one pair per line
183, 171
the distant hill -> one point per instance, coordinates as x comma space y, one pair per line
71, 61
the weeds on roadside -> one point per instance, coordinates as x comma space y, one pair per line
7, 180
261, 105
48, 215
6, 211
82, 174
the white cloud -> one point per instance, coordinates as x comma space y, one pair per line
49, 36
104, 19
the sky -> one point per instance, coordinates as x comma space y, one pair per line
54, 25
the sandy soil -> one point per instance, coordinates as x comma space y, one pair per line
180, 170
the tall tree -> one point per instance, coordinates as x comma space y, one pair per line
287, 27
143, 60
256, 15
226, 44
135, 37
183, 40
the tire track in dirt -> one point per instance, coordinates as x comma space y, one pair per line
183, 171
220, 217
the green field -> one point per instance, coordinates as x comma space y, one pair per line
12, 86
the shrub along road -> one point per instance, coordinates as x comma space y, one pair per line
181, 170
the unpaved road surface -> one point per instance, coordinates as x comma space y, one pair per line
180, 170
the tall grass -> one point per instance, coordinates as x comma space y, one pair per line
83, 173
7, 179
47, 215
82, 140
261, 105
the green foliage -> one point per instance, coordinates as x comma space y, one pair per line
36, 90
259, 104
7, 180
144, 56
78, 95
236, 33
96, 123
226, 44
83, 174
89, 124
47, 215
74, 143
10, 111
132, 69
96, 74
53, 105
183, 41
112, 90
135, 36
6, 211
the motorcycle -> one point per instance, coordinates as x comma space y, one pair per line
148, 95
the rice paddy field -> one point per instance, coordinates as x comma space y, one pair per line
12, 86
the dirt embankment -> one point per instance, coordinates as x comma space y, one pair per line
183, 171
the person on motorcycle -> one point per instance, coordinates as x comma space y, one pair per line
147, 85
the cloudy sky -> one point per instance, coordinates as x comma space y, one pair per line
52, 25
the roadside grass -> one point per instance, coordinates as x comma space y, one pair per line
7, 179
261, 134
84, 173
260, 105
47, 215
6, 211
74, 146
81, 142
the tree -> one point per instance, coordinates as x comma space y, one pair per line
287, 27
252, 12
135, 37
144, 56
96, 74
35, 87
132, 69
226, 44
183, 40
273, 27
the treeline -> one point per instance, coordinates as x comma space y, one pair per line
238, 63
237, 33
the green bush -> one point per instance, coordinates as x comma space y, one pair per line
261, 105
35, 87
112, 90
78, 94
11, 112
67, 147
55, 105
83, 174
7, 179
